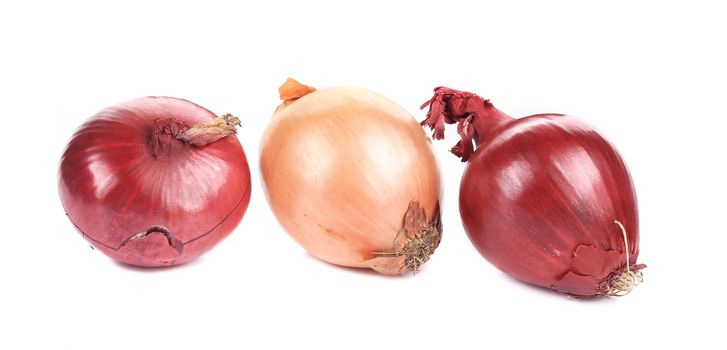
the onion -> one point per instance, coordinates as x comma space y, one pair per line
155, 181
352, 178
545, 198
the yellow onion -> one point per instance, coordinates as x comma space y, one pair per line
352, 177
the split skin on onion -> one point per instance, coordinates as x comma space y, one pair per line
545, 198
155, 181
352, 177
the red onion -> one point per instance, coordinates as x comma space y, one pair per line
155, 181
544, 198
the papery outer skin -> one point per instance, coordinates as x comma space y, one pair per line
539, 198
340, 174
112, 187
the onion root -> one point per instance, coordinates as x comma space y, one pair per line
415, 242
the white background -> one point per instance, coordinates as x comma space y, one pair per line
650, 75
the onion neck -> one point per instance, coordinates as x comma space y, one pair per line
486, 120
168, 133
475, 117
291, 90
